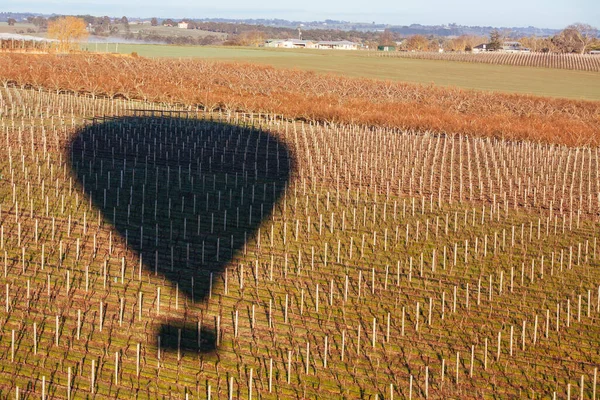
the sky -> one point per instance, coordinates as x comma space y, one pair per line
506, 13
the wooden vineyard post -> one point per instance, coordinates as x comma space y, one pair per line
403, 317
140, 298
250, 384
137, 361
343, 344
457, 367
93, 376
417, 314
472, 361
289, 367
535, 328
99, 326
158, 301
69, 384
426, 381
325, 351
374, 333
307, 364
387, 330
595, 378
498, 348
485, 354
121, 310
12, 346
443, 304
358, 338
270, 375
158, 340
218, 329
35, 338
56, 331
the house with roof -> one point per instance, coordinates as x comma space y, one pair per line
182, 25
514, 47
507, 47
308, 44
337, 45
290, 44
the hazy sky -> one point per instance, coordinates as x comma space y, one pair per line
539, 13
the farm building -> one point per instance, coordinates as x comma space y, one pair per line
507, 47
290, 43
480, 48
337, 45
386, 48
182, 25
307, 44
514, 47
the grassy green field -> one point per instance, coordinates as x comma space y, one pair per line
536, 81
19, 27
170, 31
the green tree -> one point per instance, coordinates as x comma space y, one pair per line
495, 40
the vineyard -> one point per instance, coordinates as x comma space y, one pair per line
169, 251
579, 62
20, 45
308, 96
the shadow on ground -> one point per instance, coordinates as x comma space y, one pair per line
185, 194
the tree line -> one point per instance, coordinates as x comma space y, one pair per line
575, 38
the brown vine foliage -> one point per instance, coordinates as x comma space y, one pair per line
311, 96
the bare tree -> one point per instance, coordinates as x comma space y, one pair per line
68, 30
418, 43
576, 38
386, 38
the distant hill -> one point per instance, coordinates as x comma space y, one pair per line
407, 30
4, 16
457, 30
345, 26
